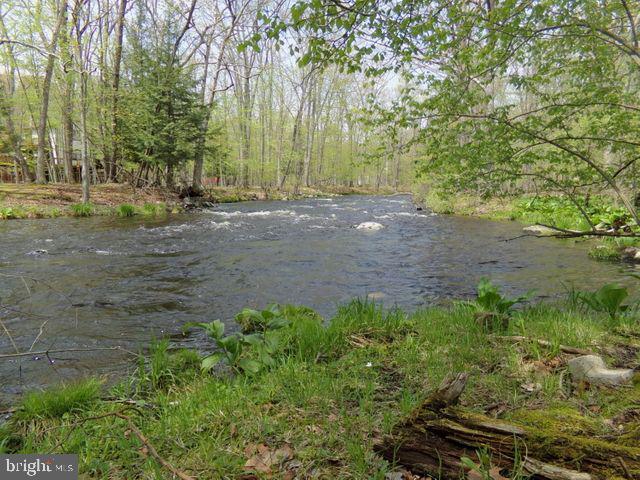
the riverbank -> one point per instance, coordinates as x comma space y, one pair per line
329, 394
19, 201
546, 210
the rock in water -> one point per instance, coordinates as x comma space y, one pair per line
376, 295
369, 226
592, 369
631, 254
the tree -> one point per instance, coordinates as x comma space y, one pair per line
46, 91
499, 90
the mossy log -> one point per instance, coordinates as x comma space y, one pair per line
437, 435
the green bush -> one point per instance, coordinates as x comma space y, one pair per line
563, 213
82, 209
125, 210
57, 401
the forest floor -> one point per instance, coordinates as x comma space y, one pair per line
55, 200
334, 390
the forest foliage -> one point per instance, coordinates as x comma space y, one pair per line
494, 97
505, 96
167, 93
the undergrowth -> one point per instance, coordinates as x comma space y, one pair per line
332, 389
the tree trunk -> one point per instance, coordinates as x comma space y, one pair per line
111, 164
46, 91
437, 435
84, 105
311, 130
6, 103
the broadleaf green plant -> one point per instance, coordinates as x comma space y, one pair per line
271, 317
607, 299
491, 300
494, 309
243, 352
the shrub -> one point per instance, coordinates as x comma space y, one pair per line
57, 401
126, 210
82, 209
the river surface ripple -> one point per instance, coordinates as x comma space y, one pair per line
103, 281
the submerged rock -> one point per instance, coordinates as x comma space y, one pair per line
592, 369
369, 226
540, 230
631, 254
376, 295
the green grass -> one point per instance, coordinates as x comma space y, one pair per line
154, 209
125, 210
334, 388
605, 251
18, 212
8, 213
82, 209
56, 402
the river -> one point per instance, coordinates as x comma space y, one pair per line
103, 281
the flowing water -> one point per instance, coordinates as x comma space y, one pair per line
103, 282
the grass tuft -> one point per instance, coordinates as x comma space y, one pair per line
153, 209
125, 210
82, 209
56, 402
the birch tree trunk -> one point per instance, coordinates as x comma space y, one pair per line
46, 92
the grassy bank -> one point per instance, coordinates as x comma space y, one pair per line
232, 194
329, 392
546, 210
57, 200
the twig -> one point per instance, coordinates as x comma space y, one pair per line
35, 340
546, 343
624, 466
152, 449
9, 335
64, 350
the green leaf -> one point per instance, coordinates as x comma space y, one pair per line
216, 329
250, 366
210, 361
231, 344
278, 322
253, 339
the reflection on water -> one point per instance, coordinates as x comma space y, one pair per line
102, 282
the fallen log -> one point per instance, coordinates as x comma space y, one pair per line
438, 434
